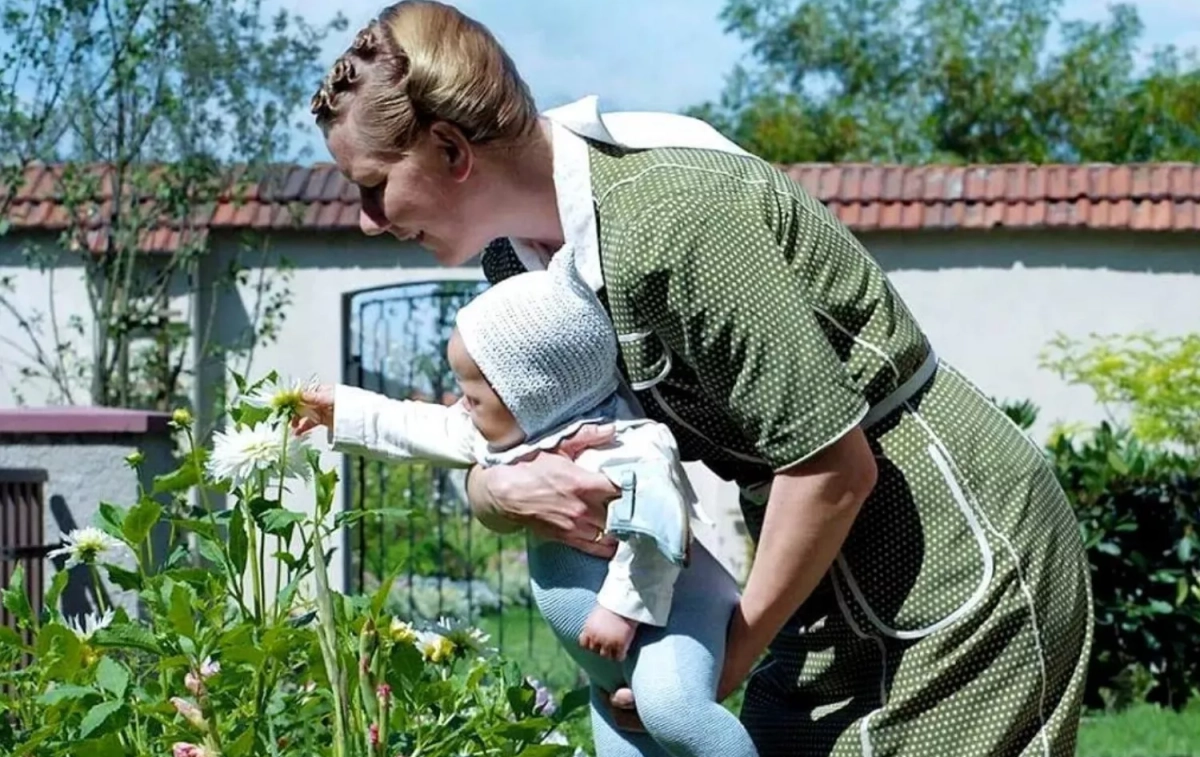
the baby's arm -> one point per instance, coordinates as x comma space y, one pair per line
372, 425
640, 584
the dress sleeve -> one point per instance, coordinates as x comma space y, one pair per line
719, 282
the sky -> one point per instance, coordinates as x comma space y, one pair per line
657, 54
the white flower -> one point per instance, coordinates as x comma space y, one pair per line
241, 454
88, 546
433, 646
89, 624
462, 635
280, 396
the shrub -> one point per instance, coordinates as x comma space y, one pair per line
1138, 508
212, 668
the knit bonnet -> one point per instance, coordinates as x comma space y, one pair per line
544, 343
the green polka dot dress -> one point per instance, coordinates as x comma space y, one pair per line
957, 619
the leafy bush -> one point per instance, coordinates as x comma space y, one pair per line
213, 667
1139, 510
1139, 513
1157, 379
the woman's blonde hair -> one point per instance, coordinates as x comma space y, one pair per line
419, 62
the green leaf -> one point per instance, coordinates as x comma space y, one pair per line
522, 699
184, 477
141, 521
180, 615
10, 638
281, 522
238, 541
326, 489
110, 518
125, 579
58, 584
104, 715
127, 636
14, 598
547, 750
575, 700
198, 526
66, 692
526, 730
59, 644
112, 676
211, 552
106, 746
242, 745
407, 663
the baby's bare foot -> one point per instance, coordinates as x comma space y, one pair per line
608, 634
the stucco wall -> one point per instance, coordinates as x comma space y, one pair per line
47, 289
84, 470
991, 302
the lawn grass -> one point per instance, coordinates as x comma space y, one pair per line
1141, 731
524, 638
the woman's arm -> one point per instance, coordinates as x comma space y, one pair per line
809, 513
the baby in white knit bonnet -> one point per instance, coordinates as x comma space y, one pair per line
536, 358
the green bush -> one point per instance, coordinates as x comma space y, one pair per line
1138, 508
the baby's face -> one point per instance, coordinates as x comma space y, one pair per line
489, 414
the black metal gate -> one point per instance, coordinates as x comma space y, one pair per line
439, 561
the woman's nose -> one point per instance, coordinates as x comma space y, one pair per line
369, 225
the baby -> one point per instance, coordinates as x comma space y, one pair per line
536, 359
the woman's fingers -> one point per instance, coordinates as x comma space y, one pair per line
624, 711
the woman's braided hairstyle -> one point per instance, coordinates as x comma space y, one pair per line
419, 62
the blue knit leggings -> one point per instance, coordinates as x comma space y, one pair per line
673, 671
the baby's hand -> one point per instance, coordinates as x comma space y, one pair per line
316, 409
607, 634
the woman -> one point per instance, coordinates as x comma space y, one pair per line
919, 581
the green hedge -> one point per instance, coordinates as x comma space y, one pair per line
1139, 513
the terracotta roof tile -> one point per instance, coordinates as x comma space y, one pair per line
867, 197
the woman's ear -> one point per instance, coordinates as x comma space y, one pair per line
454, 148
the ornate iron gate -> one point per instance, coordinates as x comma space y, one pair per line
440, 562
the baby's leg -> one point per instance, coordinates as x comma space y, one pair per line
675, 670
611, 741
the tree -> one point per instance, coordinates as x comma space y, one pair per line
953, 81
149, 112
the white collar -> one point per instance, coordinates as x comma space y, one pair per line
570, 125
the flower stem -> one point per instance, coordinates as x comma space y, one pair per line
329, 649
101, 605
252, 550
234, 579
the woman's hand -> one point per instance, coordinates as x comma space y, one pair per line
741, 652
550, 495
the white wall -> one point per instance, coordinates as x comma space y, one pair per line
50, 294
991, 302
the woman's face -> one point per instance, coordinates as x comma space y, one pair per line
423, 195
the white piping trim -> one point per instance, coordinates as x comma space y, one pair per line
1037, 637
643, 385
636, 336
844, 606
864, 734
977, 595
858, 340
